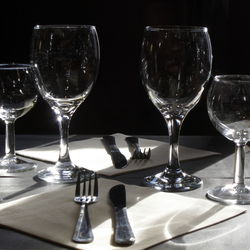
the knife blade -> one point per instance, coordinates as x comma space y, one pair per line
118, 159
123, 232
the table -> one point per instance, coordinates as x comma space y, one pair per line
214, 170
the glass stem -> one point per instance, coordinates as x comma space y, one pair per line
10, 138
174, 127
64, 121
239, 164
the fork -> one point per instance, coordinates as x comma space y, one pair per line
83, 231
135, 149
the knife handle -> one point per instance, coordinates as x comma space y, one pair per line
123, 231
109, 140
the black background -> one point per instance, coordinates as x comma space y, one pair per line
118, 102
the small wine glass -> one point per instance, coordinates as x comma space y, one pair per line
228, 104
176, 63
67, 57
18, 95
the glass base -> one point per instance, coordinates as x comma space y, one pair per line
173, 183
62, 173
230, 194
15, 165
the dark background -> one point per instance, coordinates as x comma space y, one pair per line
118, 102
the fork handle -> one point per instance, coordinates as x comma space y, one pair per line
133, 142
83, 231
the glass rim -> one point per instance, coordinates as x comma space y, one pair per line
62, 26
176, 27
233, 78
9, 66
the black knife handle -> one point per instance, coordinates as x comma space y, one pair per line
109, 139
110, 142
118, 159
123, 231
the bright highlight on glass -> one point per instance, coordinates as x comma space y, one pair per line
17, 96
67, 57
229, 110
176, 63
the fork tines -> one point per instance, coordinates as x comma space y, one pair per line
145, 155
86, 190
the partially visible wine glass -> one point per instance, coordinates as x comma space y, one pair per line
67, 57
176, 63
17, 96
228, 104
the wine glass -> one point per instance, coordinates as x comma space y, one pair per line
176, 63
228, 104
17, 96
67, 57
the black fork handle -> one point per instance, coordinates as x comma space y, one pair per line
133, 143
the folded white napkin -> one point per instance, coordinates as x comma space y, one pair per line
92, 155
154, 216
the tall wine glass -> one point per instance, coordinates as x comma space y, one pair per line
17, 96
67, 57
176, 63
229, 110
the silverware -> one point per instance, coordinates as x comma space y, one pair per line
83, 231
123, 231
118, 159
135, 149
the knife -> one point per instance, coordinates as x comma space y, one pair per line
118, 159
123, 231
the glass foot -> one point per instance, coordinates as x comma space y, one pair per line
62, 173
173, 183
15, 165
230, 194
